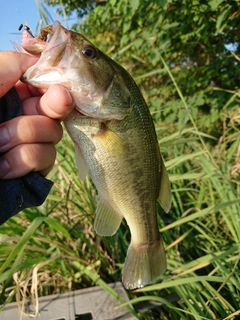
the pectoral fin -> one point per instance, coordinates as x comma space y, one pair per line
107, 220
165, 195
111, 141
81, 163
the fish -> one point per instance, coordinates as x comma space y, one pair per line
115, 142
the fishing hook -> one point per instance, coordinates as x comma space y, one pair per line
26, 27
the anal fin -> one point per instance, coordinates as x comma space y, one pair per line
107, 220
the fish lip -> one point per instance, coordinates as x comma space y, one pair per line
57, 28
53, 31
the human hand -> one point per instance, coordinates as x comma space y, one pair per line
28, 141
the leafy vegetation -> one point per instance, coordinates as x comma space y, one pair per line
177, 53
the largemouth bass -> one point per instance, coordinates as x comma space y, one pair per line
115, 141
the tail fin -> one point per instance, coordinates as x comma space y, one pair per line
144, 264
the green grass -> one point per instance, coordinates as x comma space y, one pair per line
54, 248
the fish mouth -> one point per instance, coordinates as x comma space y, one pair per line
53, 46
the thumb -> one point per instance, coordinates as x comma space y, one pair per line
13, 65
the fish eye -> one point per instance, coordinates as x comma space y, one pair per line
89, 52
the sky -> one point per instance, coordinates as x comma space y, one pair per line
15, 12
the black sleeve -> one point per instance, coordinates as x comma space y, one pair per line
28, 191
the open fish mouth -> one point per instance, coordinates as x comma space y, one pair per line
53, 47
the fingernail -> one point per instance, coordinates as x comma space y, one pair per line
4, 136
4, 167
70, 97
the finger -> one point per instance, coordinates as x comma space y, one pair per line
13, 65
56, 103
26, 91
26, 158
29, 129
